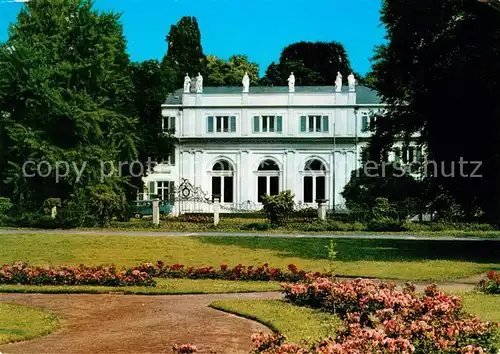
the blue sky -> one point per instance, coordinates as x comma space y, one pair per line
257, 28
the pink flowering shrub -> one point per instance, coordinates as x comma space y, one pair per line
224, 272
22, 273
490, 285
378, 318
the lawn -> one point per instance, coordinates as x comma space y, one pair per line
19, 323
299, 323
398, 259
163, 287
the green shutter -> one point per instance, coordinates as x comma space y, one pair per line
325, 123
172, 124
233, 124
171, 192
279, 124
418, 154
397, 154
172, 156
303, 123
151, 190
364, 123
256, 123
210, 124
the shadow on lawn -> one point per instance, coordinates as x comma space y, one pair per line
369, 249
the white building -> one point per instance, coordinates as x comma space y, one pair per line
241, 145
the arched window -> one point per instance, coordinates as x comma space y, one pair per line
223, 181
268, 179
314, 181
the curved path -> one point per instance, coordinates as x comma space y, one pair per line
116, 324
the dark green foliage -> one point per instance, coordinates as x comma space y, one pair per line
185, 53
440, 75
65, 96
313, 63
279, 207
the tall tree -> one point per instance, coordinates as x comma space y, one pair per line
440, 75
65, 98
185, 53
313, 63
230, 73
152, 82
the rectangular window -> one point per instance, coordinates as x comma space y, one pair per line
216, 185
411, 154
320, 187
418, 154
274, 185
169, 124
314, 124
405, 154
267, 124
228, 189
164, 191
221, 124
261, 188
308, 189
170, 158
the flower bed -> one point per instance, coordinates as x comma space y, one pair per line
224, 272
380, 319
24, 274
490, 285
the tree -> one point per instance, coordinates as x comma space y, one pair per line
152, 81
230, 73
65, 95
313, 63
185, 53
441, 60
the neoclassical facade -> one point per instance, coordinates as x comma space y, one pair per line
241, 143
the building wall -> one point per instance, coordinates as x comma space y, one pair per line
339, 148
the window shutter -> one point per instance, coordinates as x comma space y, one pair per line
210, 124
172, 124
172, 156
256, 123
364, 123
171, 192
397, 154
325, 123
418, 154
233, 124
151, 189
303, 123
279, 124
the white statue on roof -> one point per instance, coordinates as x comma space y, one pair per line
246, 82
199, 83
187, 84
338, 82
291, 83
351, 80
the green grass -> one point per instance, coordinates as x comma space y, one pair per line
296, 323
164, 287
398, 259
486, 307
19, 323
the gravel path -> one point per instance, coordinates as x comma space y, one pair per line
116, 324
233, 234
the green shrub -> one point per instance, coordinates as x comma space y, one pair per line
51, 203
414, 226
5, 205
279, 207
384, 224
257, 226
